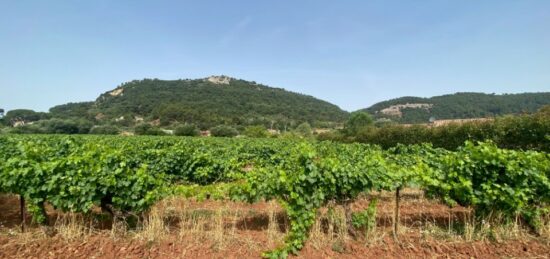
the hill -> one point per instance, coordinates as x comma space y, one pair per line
206, 102
457, 106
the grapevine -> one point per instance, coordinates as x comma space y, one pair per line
129, 174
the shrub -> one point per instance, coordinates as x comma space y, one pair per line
187, 130
223, 131
512, 132
147, 129
59, 126
24, 115
105, 130
357, 121
26, 129
256, 131
304, 130
330, 135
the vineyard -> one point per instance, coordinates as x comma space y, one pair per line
126, 176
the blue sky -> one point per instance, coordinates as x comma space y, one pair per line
351, 53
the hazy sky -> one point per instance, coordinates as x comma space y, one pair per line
351, 53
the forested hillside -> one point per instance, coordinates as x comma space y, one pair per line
458, 106
204, 102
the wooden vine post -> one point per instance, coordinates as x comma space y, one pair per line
349, 218
22, 211
396, 214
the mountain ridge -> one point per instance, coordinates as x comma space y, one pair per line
206, 102
219, 99
460, 105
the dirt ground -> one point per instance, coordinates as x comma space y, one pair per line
216, 229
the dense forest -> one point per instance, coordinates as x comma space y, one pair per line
204, 103
460, 106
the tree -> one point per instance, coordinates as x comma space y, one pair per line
26, 129
142, 129
304, 130
258, 131
170, 113
2, 120
72, 110
357, 121
23, 115
187, 130
544, 112
223, 131
58, 126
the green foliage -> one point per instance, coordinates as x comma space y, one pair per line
357, 121
393, 135
490, 179
187, 130
58, 126
206, 104
304, 130
23, 115
258, 131
513, 132
168, 114
217, 191
383, 122
105, 130
313, 175
224, 131
463, 105
366, 219
73, 111
74, 173
334, 135
147, 129
309, 178
27, 129
54, 126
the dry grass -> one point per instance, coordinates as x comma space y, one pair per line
192, 223
73, 226
154, 227
493, 228
274, 235
330, 229
223, 225
545, 230
119, 229
218, 229
24, 238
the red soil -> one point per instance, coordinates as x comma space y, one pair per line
250, 237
